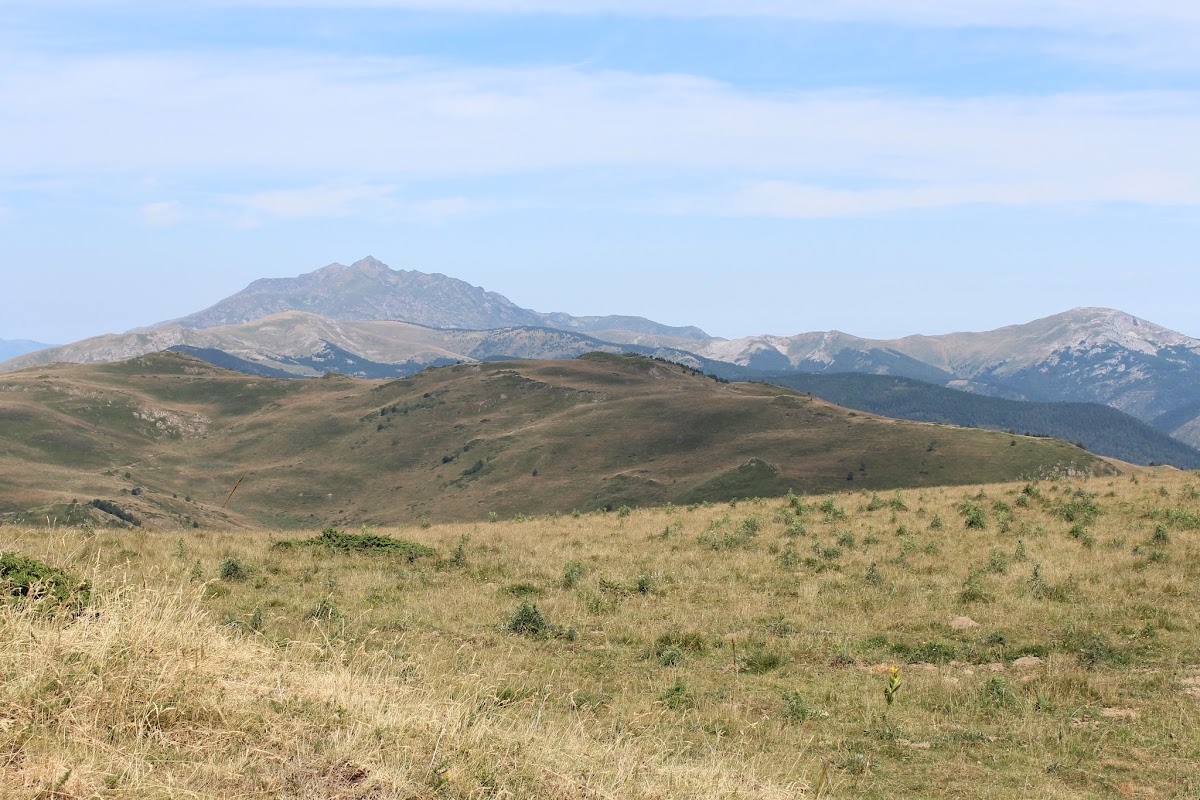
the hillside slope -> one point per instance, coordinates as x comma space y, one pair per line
1101, 429
457, 442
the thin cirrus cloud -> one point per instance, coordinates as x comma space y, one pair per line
354, 128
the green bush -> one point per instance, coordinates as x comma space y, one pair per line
572, 572
325, 610
528, 620
27, 578
232, 569
973, 589
677, 695
974, 515
337, 541
795, 707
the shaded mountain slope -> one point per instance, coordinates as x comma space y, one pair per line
1101, 429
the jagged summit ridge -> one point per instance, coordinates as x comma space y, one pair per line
370, 290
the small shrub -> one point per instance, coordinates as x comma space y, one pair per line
1093, 649
827, 553
232, 569
759, 660
974, 515
795, 707
1019, 554
670, 656
30, 579
677, 695
928, 652
522, 589
647, 583
459, 558
973, 589
528, 620
337, 541
832, 510
325, 611
1044, 590
996, 692
572, 572
1080, 507
691, 642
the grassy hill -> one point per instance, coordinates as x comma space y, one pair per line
1043, 636
167, 437
1101, 429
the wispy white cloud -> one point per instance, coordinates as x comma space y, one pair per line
354, 129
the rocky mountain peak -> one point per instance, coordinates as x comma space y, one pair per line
1089, 328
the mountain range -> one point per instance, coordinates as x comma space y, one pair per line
369, 320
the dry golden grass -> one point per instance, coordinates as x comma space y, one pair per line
715, 651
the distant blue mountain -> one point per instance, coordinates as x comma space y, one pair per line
11, 348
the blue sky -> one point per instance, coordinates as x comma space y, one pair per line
882, 167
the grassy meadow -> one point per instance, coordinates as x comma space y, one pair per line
998, 641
